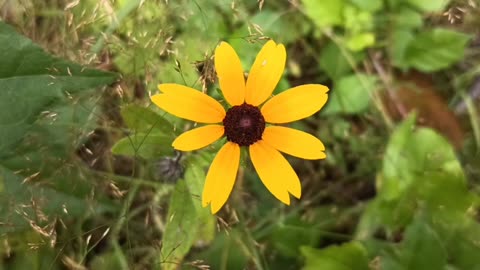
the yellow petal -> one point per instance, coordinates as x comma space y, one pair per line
294, 142
296, 103
275, 171
188, 103
230, 74
221, 177
265, 73
198, 138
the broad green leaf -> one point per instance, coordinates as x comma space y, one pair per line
141, 119
151, 145
351, 94
420, 168
290, 235
45, 109
325, 13
423, 247
181, 228
188, 222
436, 49
398, 171
360, 41
405, 21
358, 27
401, 39
31, 81
348, 256
357, 21
334, 62
195, 179
461, 238
370, 5
407, 18
411, 154
429, 5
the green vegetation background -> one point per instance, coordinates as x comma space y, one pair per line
88, 179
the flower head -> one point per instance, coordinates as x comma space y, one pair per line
244, 123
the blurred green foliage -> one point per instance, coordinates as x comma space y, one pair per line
89, 180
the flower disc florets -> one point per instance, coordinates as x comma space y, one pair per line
244, 124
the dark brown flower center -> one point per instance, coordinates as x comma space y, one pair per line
244, 124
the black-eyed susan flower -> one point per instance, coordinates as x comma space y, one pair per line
251, 121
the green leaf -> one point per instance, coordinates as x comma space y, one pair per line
290, 235
461, 238
397, 168
370, 5
351, 94
195, 179
188, 222
360, 41
334, 62
325, 13
407, 18
411, 154
405, 21
436, 49
181, 228
31, 81
151, 145
358, 27
356, 20
141, 119
420, 171
45, 107
349, 256
401, 39
422, 247
429, 5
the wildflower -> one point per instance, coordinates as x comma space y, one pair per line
244, 124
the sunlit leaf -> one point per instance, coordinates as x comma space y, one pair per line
324, 13
371, 5
360, 41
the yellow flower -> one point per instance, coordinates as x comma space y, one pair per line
244, 123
